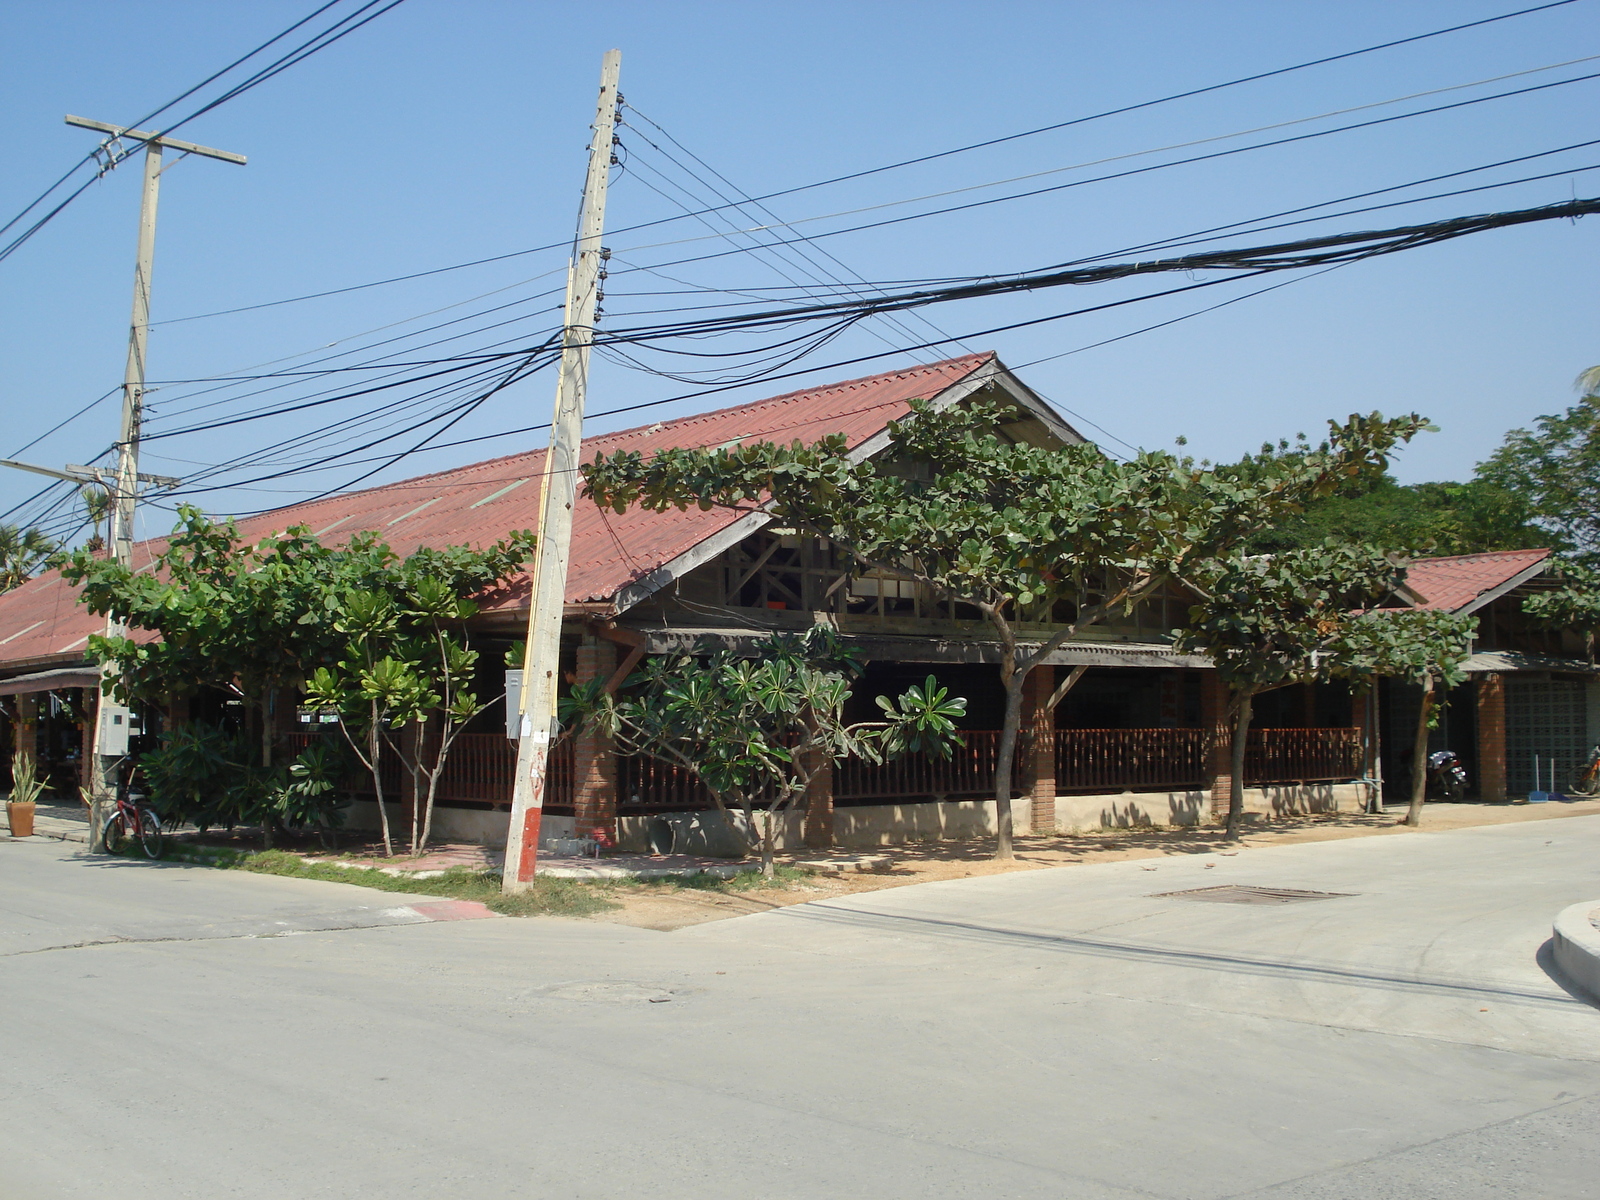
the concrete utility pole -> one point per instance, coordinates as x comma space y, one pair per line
111, 727
125, 491
541, 665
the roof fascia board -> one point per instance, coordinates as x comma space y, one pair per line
1516, 581
701, 552
991, 372
1036, 404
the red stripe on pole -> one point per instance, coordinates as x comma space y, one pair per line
527, 858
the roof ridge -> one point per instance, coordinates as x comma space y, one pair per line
1479, 554
785, 397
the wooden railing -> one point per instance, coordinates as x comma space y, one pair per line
650, 785
969, 771
481, 766
479, 770
1302, 755
1097, 760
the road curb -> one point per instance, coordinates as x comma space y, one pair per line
1576, 948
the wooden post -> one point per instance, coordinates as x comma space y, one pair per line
25, 739
1041, 725
1492, 738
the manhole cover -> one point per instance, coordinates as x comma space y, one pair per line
1233, 893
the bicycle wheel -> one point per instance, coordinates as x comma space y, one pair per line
115, 838
150, 833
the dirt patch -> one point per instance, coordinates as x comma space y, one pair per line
666, 907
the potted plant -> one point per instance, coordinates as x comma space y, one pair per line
25, 788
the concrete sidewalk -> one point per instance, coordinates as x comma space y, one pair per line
63, 822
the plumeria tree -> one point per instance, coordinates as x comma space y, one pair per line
406, 664
754, 730
1027, 535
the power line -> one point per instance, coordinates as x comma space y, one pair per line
179, 98
1216, 87
955, 208
313, 45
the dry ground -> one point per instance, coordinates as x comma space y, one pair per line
667, 907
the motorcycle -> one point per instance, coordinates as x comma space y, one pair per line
1446, 774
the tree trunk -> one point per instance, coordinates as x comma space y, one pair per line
375, 749
766, 844
446, 737
1241, 740
749, 824
1002, 767
1419, 759
268, 818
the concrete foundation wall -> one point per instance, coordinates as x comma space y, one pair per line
890, 824
483, 826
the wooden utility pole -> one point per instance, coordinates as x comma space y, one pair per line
109, 748
541, 675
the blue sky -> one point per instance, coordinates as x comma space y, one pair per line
445, 132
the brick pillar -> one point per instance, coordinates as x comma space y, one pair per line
1219, 765
1040, 723
25, 736
819, 801
1492, 737
595, 763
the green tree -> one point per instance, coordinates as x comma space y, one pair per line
1573, 604
260, 619
1268, 621
755, 730
23, 553
1024, 534
1419, 518
406, 663
1419, 646
1554, 468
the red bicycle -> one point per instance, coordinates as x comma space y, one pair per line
131, 820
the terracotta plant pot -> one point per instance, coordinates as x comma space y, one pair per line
20, 816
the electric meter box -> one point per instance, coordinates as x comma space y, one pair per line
117, 725
513, 704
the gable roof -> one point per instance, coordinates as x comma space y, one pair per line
613, 555
1465, 583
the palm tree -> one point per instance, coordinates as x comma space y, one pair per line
1588, 383
96, 506
23, 552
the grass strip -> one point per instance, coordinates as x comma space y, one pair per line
546, 898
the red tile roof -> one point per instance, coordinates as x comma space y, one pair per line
479, 503
1453, 583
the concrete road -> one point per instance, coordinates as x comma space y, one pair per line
1062, 1034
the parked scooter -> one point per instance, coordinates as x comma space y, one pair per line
1446, 775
